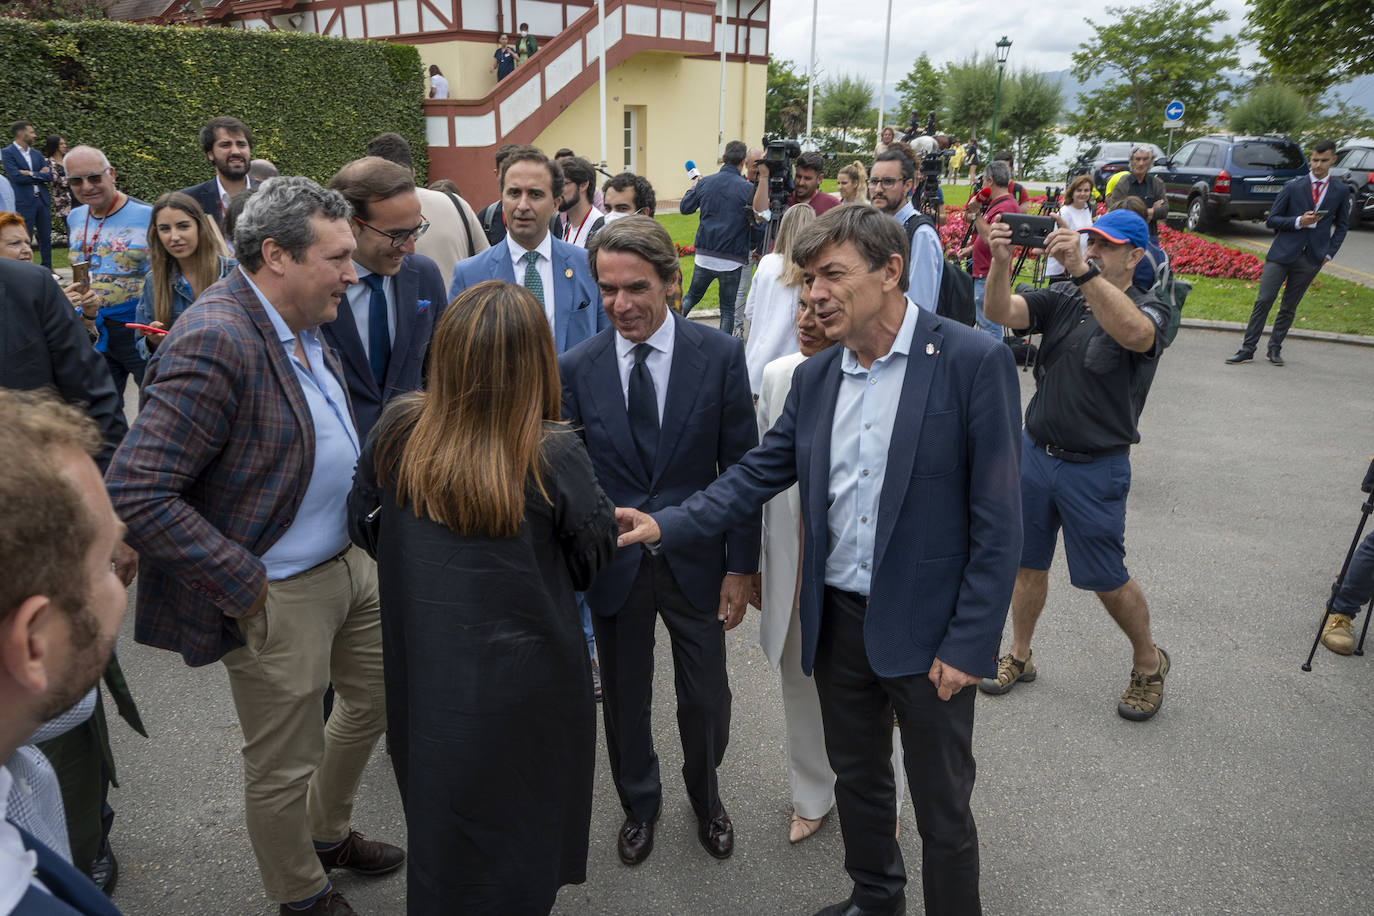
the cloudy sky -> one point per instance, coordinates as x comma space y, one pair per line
850, 34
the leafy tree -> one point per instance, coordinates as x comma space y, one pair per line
970, 91
1152, 54
48, 10
1340, 121
845, 102
1314, 46
920, 90
784, 113
1030, 109
1268, 108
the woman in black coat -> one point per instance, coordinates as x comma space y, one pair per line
484, 516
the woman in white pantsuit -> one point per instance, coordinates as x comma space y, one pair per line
808, 769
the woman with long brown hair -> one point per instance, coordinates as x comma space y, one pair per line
484, 515
186, 254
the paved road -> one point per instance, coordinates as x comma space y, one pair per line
1248, 793
1355, 260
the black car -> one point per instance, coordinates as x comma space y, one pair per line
1220, 177
1355, 166
1104, 160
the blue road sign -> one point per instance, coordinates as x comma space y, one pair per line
1174, 110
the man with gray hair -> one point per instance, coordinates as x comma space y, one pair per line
1140, 183
233, 482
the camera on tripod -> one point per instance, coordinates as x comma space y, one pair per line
778, 156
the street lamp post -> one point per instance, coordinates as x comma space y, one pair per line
1003, 49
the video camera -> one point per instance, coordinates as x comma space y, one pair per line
778, 156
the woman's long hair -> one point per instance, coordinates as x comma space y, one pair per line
793, 222
205, 260
856, 173
461, 451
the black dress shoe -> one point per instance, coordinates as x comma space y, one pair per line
105, 870
362, 856
717, 835
635, 842
1275, 358
849, 908
596, 681
1241, 356
331, 904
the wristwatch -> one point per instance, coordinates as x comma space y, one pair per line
1086, 275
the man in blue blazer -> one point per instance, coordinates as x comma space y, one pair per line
1309, 219
386, 319
228, 145
31, 176
905, 445
556, 272
664, 406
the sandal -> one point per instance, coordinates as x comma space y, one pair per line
803, 827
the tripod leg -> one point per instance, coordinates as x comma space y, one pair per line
1364, 631
1365, 510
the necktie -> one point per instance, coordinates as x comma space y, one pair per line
532, 281
643, 409
1317, 190
378, 331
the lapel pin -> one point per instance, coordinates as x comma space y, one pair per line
930, 349
568, 273
421, 306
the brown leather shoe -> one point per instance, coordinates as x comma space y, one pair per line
596, 681
331, 904
717, 835
635, 842
362, 856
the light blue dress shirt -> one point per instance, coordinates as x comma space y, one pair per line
865, 409
320, 530
926, 262
6, 196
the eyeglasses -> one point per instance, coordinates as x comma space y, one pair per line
888, 183
93, 179
398, 236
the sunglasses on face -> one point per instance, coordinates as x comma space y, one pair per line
93, 179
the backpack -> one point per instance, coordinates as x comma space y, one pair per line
956, 286
492, 224
1172, 294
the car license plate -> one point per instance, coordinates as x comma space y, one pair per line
1267, 188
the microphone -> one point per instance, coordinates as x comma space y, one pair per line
692, 171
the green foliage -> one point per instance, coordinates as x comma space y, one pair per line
1270, 108
1339, 122
1152, 54
1314, 45
1030, 109
141, 94
844, 103
970, 92
42, 10
921, 90
784, 112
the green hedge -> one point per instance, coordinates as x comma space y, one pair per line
142, 93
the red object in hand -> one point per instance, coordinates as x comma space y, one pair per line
145, 327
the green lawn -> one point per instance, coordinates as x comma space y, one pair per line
683, 229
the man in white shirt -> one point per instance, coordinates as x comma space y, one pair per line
581, 218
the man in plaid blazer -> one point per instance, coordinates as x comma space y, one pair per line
232, 482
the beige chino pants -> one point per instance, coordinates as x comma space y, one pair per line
299, 773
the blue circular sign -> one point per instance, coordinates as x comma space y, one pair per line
1174, 110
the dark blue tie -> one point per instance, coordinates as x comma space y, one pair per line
643, 409
378, 332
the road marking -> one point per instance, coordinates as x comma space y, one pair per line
1336, 269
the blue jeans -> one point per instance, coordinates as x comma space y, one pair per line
991, 328
1358, 586
729, 286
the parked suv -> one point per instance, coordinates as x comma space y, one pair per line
1220, 177
1355, 166
1106, 159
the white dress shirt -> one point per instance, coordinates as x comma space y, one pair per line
16, 862
359, 297
659, 362
1320, 188
865, 409
224, 196
577, 235
545, 267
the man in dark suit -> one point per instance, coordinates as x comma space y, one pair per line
60, 607
233, 481
386, 318
31, 177
1309, 218
664, 406
904, 442
228, 145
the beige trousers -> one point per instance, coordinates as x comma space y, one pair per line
299, 774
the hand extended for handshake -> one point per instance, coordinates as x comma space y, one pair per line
640, 528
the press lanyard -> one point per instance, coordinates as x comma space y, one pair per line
88, 246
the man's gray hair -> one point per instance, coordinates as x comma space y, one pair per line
83, 148
1142, 148
999, 174
281, 209
638, 235
876, 235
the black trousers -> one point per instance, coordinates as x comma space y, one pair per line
937, 738
625, 647
1294, 278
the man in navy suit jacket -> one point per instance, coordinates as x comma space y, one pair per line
31, 177
399, 295
531, 187
904, 443
228, 144
664, 406
1309, 218
60, 612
